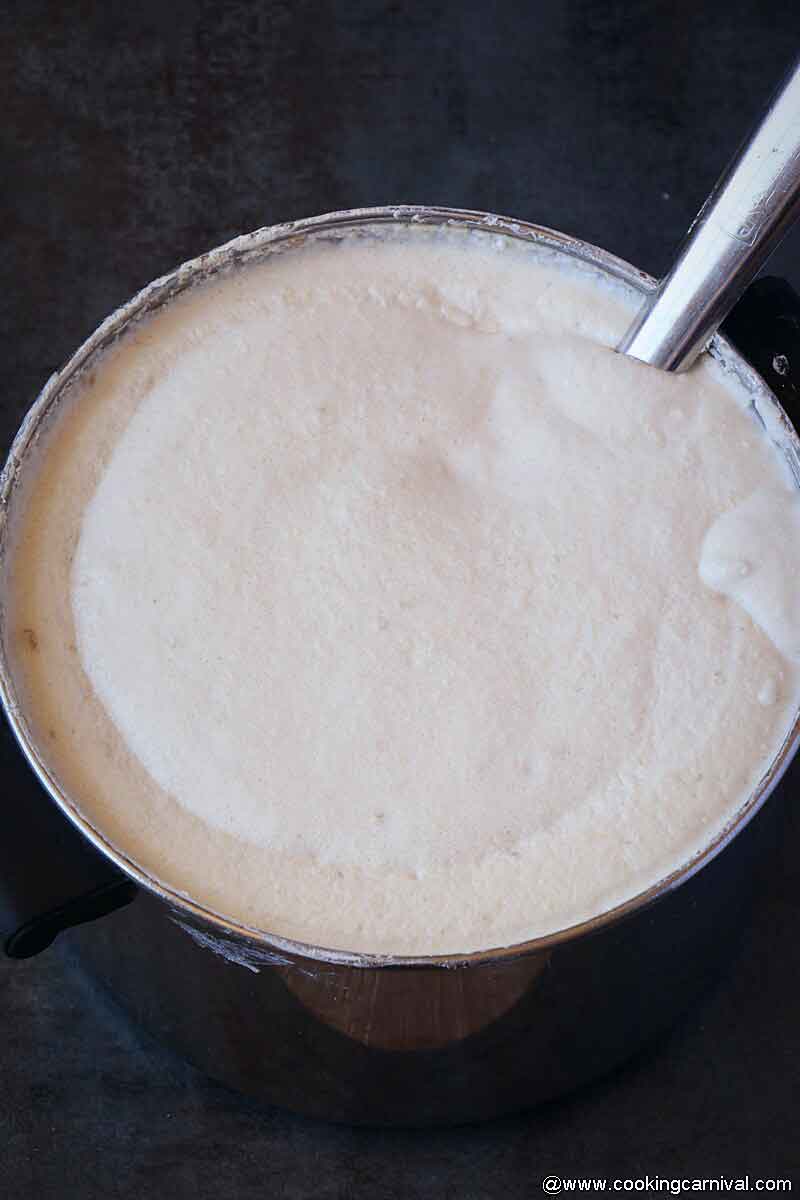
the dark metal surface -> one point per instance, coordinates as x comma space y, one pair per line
134, 138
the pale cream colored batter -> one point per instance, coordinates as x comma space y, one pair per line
367, 596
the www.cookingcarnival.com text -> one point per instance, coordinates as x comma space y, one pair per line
554, 1184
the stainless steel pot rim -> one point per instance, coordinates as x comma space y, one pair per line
225, 932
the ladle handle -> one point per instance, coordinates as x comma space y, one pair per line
750, 209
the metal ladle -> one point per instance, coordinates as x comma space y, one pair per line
754, 203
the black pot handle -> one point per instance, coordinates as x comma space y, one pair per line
51, 877
765, 327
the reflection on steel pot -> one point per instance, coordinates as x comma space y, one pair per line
422, 1045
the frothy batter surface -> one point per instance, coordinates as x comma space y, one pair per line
366, 595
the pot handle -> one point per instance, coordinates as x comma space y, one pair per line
51, 877
765, 327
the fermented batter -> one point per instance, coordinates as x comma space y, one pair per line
366, 595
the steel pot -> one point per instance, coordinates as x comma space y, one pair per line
369, 1039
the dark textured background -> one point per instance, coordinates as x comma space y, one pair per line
136, 136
